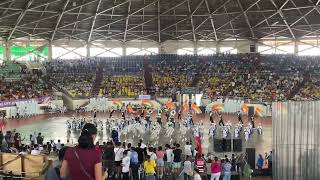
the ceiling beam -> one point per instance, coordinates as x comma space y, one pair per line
199, 4
19, 12
191, 19
283, 18
58, 14
159, 23
301, 14
246, 19
112, 14
75, 26
94, 21
6, 10
252, 5
216, 10
150, 20
122, 19
127, 22
59, 19
211, 21
35, 27
22, 14
87, 18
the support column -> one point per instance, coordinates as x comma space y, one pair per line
7, 51
218, 48
296, 47
195, 47
88, 49
124, 50
50, 51
160, 49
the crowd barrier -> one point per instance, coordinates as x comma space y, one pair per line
17, 166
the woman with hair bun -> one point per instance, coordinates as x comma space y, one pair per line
83, 161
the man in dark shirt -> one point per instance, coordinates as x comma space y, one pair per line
108, 158
140, 152
240, 118
40, 139
111, 113
176, 160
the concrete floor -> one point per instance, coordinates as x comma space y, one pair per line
53, 127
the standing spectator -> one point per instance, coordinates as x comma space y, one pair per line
1, 138
53, 172
168, 159
269, 158
118, 155
58, 145
83, 162
215, 169
233, 163
188, 149
152, 154
125, 165
108, 157
260, 162
200, 164
40, 139
98, 148
176, 160
149, 166
187, 169
49, 147
227, 170
134, 163
160, 163
208, 168
33, 138
140, 152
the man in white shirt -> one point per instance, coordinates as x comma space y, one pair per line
150, 152
125, 165
142, 144
168, 160
118, 156
187, 149
35, 151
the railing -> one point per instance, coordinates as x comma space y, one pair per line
23, 166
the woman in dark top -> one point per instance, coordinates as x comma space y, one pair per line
83, 162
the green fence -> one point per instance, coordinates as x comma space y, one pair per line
28, 53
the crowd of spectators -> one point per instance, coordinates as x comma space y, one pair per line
122, 86
262, 78
78, 85
69, 67
13, 142
255, 77
310, 90
125, 161
170, 75
19, 83
10, 70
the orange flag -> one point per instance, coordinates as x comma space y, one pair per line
169, 105
185, 107
130, 109
258, 111
196, 108
147, 103
244, 108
